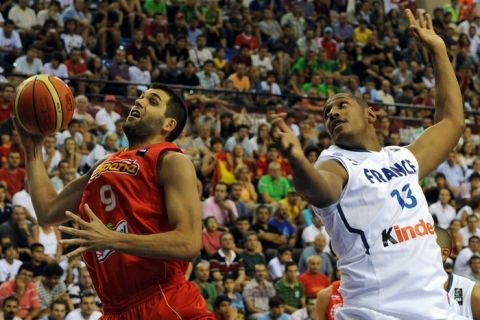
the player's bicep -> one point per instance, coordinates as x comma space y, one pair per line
177, 176
433, 146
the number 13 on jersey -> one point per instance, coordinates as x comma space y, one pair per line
404, 197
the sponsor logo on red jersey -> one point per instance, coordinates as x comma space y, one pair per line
130, 167
402, 234
120, 227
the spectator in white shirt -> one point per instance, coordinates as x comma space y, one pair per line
25, 19
88, 309
442, 209
56, 67
106, 116
276, 266
52, 12
10, 264
10, 43
310, 232
262, 61
471, 229
29, 64
200, 54
461, 266
141, 74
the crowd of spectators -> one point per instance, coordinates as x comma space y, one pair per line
265, 254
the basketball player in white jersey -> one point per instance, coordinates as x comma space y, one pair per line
463, 290
370, 201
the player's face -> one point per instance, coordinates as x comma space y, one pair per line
147, 115
345, 119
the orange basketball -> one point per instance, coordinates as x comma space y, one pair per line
43, 104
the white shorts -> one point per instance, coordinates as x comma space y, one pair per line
358, 313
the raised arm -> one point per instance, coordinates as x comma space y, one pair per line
49, 206
321, 186
433, 146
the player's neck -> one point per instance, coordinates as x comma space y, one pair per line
146, 142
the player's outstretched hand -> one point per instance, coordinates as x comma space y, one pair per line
92, 235
284, 136
29, 141
423, 29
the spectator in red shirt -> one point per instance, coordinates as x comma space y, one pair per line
246, 37
159, 24
328, 43
273, 154
6, 102
24, 288
313, 280
13, 175
77, 69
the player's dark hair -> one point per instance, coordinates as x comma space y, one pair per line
52, 270
444, 240
176, 109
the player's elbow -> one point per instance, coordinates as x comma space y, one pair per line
192, 250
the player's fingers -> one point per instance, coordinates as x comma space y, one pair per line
428, 18
77, 251
75, 242
90, 213
74, 232
410, 17
421, 18
77, 219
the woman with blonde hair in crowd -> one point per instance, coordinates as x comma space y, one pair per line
71, 153
248, 195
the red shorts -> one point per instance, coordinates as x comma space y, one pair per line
173, 302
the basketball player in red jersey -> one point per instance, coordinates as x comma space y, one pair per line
327, 300
139, 215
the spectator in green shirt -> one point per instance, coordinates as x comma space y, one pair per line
188, 9
155, 6
273, 186
327, 88
207, 289
290, 289
313, 85
307, 63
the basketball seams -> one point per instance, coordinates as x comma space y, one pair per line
17, 100
57, 104
39, 127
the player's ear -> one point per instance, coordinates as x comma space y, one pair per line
169, 124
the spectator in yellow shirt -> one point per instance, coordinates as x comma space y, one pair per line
362, 33
293, 204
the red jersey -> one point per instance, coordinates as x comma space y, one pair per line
336, 300
124, 193
14, 180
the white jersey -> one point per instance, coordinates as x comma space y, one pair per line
383, 234
460, 289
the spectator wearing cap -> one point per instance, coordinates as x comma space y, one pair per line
178, 27
328, 43
461, 266
10, 43
471, 229
29, 64
107, 116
